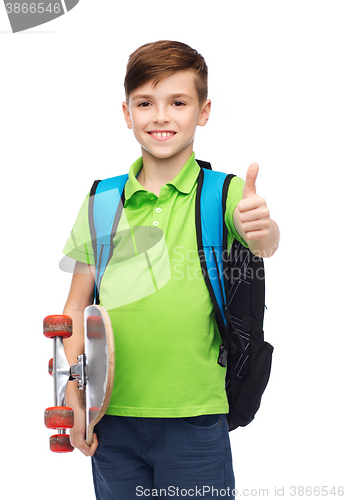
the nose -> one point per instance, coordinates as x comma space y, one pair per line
162, 115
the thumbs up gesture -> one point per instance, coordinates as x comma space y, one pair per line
252, 218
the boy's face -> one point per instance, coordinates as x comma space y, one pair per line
164, 118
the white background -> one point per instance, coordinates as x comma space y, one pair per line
277, 84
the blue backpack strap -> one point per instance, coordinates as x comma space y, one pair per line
105, 206
105, 211
211, 231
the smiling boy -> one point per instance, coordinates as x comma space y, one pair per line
165, 426
164, 124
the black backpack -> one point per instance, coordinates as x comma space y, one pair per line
249, 357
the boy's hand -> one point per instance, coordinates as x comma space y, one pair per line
253, 215
77, 435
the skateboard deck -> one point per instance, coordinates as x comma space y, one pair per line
100, 356
94, 373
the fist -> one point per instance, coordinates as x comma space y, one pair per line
253, 211
77, 435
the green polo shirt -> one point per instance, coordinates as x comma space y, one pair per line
166, 338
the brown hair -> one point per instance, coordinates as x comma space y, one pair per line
157, 60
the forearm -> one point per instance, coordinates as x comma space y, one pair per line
74, 346
80, 296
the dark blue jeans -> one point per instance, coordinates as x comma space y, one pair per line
175, 458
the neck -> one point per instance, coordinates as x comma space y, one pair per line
157, 172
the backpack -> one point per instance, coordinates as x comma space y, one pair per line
234, 278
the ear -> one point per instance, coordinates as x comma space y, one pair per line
127, 115
205, 113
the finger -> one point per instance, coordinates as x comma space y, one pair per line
250, 182
94, 446
78, 441
256, 225
255, 201
84, 448
257, 235
89, 450
258, 212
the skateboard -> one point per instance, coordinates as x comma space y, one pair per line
94, 373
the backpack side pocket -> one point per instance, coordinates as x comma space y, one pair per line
250, 394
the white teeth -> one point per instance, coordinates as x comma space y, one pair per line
162, 134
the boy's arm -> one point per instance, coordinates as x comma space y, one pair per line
80, 296
252, 221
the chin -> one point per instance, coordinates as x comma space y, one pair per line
161, 155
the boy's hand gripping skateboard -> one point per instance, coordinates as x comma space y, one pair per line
94, 373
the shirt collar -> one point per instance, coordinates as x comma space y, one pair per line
133, 186
187, 176
183, 182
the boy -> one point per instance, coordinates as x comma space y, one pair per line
165, 428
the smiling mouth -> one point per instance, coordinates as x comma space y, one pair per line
162, 135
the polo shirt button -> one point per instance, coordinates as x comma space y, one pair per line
155, 223
158, 210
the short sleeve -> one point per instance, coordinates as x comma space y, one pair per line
79, 244
235, 194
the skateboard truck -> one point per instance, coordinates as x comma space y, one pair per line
78, 372
62, 372
99, 346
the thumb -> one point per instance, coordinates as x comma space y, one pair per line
250, 182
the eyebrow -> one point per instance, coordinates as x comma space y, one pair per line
171, 96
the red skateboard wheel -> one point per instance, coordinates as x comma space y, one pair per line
60, 443
59, 417
95, 327
58, 325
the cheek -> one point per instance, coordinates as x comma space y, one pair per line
137, 125
137, 118
190, 120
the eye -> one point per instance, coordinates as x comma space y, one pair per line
144, 104
178, 103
